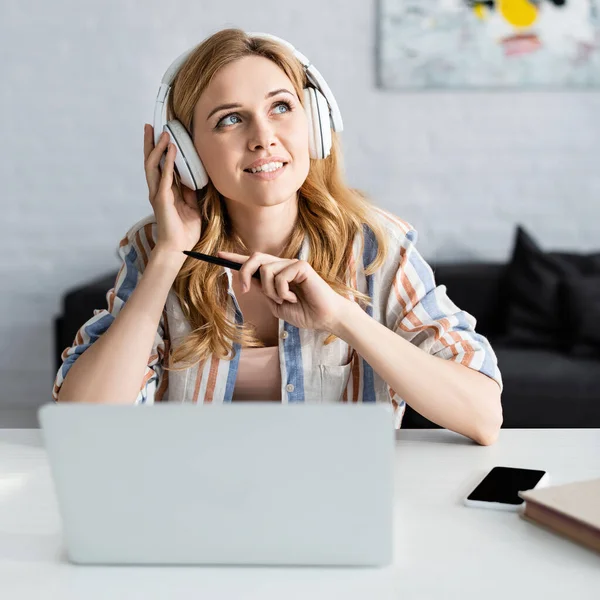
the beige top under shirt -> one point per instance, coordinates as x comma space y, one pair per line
259, 375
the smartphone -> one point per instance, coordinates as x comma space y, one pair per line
499, 488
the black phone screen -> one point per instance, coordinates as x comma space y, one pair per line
501, 484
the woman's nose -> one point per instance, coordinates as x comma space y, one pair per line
262, 135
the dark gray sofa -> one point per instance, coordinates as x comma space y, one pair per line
542, 388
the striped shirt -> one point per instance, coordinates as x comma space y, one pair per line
404, 295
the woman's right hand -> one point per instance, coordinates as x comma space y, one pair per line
178, 218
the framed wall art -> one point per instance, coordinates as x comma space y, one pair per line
446, 44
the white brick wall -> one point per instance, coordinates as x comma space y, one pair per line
79, 80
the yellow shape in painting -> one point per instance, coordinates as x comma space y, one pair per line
520, 13
480, 11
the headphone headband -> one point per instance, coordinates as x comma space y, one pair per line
312, 74
314, 77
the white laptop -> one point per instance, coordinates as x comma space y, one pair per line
241, 483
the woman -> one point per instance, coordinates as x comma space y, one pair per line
345, 309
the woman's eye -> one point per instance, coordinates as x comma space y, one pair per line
283, 103
223, 122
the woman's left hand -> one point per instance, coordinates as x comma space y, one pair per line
295, 292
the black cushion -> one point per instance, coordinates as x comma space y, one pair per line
534, 295
582, 302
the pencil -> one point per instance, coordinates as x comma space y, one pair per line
215, 260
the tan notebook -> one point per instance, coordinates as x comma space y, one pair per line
572, 510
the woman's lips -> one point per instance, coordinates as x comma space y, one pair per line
268, 175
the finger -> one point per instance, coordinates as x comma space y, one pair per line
152, 176
156, 153
151, 164
268, 275
167, 171
283, 275
267, 264
294, 274
148, 140
267, 282
249, 265
282, 288
241, 258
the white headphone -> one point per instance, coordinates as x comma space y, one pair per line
319, 103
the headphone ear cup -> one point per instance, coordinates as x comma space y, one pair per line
189, 166
319, 129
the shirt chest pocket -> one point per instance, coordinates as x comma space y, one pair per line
333, 381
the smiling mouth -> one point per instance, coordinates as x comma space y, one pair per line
259, 172
267, 175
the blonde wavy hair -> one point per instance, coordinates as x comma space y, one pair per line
329, 212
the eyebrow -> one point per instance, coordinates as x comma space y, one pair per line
235, 105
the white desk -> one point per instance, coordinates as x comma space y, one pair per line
443, 549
